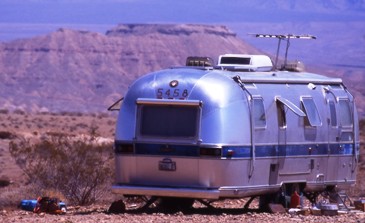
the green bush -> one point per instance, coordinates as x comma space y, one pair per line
79, 168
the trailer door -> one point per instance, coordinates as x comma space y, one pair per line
283, 106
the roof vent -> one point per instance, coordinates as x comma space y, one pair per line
245, 62
199, 62
296, 66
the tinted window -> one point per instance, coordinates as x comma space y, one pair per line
259, 113
311, 111
169, 121
281, 114
346, 136
333, 113
345, 113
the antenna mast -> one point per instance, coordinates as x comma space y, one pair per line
281, 37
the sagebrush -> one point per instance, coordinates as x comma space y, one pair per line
78, 167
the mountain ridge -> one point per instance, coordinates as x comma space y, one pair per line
84, 71
71, 70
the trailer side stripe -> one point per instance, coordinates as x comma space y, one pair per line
262, 151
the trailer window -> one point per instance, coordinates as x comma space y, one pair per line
312, 118
333, 113
259, 113
168, 121
281, 103
281, 114
346, 136
345, 112
291, 106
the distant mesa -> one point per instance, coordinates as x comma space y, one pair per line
64, 70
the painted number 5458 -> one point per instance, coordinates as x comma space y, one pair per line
171, 93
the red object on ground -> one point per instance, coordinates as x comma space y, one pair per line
294, 200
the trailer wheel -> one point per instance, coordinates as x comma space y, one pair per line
265, 201
175, 204
117, 207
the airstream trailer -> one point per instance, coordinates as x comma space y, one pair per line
240, 129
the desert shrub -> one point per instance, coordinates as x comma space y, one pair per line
4, 111
68, 113
82, 125
63, 113
43, 113
111, 122
11, 196
103, 115
6, 135
4, 182
78, 168
362, 125
19, 112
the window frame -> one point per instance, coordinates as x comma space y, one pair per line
141, 103
341, 115
281, 114
313, 117
333, 113
262, 117
281, 103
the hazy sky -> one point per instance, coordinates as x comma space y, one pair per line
27, 18
182, 11
177, 11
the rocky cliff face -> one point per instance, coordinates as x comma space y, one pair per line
70, 70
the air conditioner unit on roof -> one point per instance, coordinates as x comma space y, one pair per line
245, 62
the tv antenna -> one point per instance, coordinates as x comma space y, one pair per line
285, 37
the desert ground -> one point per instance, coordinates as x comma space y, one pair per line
14, 124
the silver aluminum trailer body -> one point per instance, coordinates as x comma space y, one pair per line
212, 134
